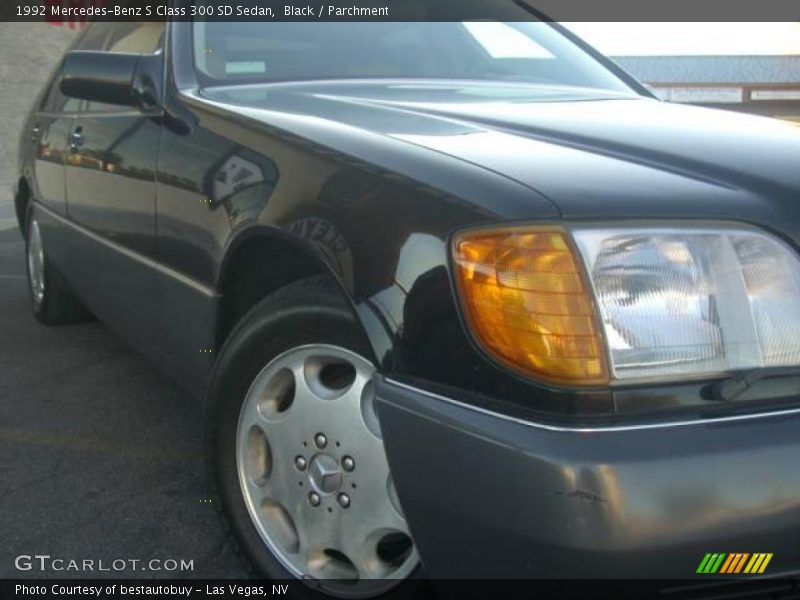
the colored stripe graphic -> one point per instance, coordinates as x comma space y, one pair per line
718, 562
740, 563
711, 562
703, 563
758, 563
727, 564
734, 562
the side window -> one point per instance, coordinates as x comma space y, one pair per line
54, 101
71, 105
131, 38
95, 107
94, 37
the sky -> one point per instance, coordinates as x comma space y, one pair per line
640, 39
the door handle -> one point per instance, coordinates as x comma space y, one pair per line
76, 139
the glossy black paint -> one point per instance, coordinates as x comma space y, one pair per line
100, 76
44, 145
367, 180
172, 215
490, 497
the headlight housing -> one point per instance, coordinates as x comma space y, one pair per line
595, 305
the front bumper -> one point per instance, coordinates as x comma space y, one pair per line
492, 497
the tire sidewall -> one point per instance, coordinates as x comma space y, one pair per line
39, 308
257, 341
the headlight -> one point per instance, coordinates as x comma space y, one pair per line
528, 303
602, 304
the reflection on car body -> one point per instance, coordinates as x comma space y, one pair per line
468, 290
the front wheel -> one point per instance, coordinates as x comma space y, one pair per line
296, 452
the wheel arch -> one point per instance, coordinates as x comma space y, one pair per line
22, 198
262, 259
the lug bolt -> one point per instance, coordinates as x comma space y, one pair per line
320, 440
300, 463
344, 500
313, 499
348, 464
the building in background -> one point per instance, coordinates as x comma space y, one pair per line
762, 85
751, 67
29, 52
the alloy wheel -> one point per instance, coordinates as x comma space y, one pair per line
35, 261
314, 473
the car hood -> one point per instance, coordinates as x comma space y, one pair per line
591, 153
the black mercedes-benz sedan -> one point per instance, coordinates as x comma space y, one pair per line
463, 299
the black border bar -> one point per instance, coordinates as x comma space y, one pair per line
56, 11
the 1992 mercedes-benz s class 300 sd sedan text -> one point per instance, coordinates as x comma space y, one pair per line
461, 297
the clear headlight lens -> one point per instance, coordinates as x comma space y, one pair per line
630, 304
679, 302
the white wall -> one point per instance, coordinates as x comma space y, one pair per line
28, 52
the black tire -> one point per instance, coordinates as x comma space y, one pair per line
310, 311
58, 305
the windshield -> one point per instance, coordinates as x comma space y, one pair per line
227, 53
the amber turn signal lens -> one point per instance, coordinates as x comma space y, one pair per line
526, 301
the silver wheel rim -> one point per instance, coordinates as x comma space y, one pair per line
314, 474
35, 262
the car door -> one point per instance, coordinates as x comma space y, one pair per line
110, 187
111, 174
51, 125
49, 131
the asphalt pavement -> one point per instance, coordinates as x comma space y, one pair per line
100, 454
